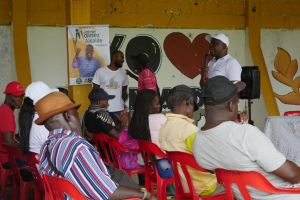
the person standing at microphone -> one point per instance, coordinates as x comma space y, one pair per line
222, 64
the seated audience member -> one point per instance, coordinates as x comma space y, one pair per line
63, 90
66, 154
32, 135
146, 121
179, 130
13, 100
97, 119
222, 143
145, 125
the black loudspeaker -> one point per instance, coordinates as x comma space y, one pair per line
251, 76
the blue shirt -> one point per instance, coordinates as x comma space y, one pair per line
87, 68
79, 162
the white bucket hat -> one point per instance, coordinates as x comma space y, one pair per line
38, 90
218, 36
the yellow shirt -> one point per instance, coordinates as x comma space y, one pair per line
172, 136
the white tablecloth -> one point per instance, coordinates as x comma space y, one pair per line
284, 132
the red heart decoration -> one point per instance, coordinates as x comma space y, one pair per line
187, 57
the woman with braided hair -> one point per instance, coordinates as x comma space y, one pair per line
32, 136
146, 122
145, 125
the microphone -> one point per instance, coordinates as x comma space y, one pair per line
206, 60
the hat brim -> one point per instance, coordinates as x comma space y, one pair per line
41, 119
111, 96
240, 85
208, 38
15, 93
134, 57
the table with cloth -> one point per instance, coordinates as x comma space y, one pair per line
284, 132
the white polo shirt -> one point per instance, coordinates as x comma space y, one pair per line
226, 66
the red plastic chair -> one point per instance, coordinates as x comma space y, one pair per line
186, 159
58, 186
253, 179
5, 174
292, 113
114, 145
33, 162
151, 174
25, 187
101, 139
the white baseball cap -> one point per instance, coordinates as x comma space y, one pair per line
218, 36
38, 90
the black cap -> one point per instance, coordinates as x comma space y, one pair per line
99, 94
141, 58
187, 89
220, 89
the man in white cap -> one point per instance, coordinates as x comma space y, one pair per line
222, 64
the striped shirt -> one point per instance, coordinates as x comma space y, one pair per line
79, 162
87, 68
147, 80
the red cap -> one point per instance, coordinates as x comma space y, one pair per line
14, 88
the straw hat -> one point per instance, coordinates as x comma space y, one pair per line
52, 104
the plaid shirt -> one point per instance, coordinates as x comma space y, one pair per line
79, 162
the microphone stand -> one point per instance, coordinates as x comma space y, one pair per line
249, 108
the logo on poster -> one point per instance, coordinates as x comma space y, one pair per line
78, 81
88, 34
77, 35
88, 80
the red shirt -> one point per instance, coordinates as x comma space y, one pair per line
7, 124
147, 80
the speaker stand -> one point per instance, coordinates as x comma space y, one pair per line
249, 108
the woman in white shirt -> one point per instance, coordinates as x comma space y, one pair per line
32, 136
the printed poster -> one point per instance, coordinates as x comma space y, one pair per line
88, 50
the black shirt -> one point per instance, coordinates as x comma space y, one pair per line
98, 121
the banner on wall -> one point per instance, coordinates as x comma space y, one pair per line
88, 50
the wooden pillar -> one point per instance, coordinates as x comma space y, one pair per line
19, 24
253, 24
78, 13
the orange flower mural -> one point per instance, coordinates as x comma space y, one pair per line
286, 72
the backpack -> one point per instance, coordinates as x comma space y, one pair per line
128, 160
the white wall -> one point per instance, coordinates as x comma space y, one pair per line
5, 59
289, 41
47, 48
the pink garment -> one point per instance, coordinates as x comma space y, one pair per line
147, 80
155, 123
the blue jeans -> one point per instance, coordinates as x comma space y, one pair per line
113, 116
19, 162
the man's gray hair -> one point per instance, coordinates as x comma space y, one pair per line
178, 97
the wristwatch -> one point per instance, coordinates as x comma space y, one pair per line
145, 191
